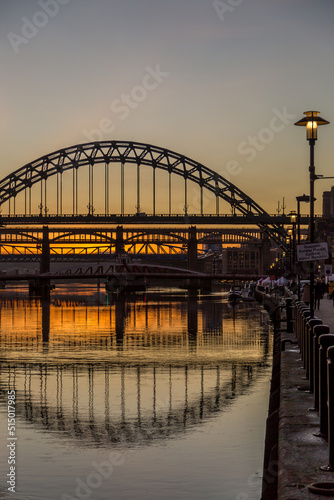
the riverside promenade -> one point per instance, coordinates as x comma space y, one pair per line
300, 452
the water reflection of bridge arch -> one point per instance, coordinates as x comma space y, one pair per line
139, 414
103, 386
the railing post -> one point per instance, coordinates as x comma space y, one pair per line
300, 309
317, 330
309, 370
305, 316
295, 315
289, 322
325, 341
330, 398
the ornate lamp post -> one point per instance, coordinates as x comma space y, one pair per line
311, 122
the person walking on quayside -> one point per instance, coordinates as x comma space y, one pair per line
318, 294
306, 294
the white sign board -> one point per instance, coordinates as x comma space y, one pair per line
312, 251
328, 269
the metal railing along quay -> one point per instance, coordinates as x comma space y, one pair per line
305, 414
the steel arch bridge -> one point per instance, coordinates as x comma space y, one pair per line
124, 152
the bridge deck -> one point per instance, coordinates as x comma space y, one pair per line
149, 219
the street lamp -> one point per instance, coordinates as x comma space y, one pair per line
306, 199
303, 198
290, 248
293, 219
311, 121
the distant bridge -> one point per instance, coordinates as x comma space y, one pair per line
106, 243
17, 242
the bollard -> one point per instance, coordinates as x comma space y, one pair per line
305, 317
325, 341
296, 310
330, 399
301, 307
295, 313
298, 327
275, 317
289, 322
309, 370
317, 331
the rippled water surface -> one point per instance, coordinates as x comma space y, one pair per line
161, 395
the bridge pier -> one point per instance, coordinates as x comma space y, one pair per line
119, 320
45, 259
192, 317
119, 241
42, 287
192, 249
45, 323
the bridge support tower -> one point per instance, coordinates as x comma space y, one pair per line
192, 249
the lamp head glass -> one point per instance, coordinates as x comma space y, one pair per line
311, 121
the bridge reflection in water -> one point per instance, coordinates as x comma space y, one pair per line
131, 371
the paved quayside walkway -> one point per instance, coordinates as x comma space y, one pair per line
300, 453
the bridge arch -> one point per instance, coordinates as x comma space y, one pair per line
139, 154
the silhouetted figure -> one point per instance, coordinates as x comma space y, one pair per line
318, 294
324, 287
306, 294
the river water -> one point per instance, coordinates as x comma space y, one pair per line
157, 395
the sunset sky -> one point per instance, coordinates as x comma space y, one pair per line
213, 80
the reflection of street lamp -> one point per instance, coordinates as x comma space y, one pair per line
311, 122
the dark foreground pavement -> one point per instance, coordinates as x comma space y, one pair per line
300, 452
